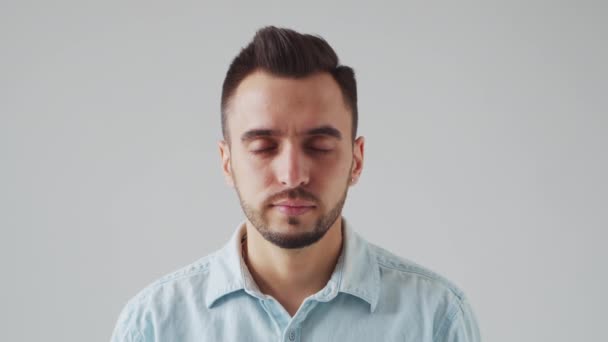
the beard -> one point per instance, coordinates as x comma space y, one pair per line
310, 235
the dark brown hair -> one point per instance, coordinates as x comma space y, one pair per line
287, 53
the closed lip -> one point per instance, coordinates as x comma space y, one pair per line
294, 203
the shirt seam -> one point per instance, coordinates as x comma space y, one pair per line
129, 326
140, 304
426, 275
449, 320
140, 336
459, 296
198, 267
186, 272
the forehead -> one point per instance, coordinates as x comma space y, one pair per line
266, 101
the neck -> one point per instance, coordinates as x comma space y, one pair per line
291, 275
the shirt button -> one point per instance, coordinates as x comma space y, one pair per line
292, 335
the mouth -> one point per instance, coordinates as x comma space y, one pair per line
294, 207
293, 211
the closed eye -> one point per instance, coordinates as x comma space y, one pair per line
262, 146
320, 145
264, 150
316, 149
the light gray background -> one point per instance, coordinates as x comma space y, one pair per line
486, 152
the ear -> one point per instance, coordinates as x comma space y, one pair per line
358, 153
226, 164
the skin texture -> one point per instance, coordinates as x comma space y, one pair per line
291, 158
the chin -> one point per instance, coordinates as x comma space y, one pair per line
290, 222
293, 239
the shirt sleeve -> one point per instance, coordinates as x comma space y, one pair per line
461, 326
125, 329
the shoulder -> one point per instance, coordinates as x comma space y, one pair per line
196, 271
161, 293
415, 286
405, 273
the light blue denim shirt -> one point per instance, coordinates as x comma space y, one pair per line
372, 295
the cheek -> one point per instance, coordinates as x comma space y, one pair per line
332, 173
340, 166
252, 176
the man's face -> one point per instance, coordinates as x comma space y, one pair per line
290, 156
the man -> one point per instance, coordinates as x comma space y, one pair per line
294, 270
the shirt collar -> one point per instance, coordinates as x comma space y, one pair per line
356, 273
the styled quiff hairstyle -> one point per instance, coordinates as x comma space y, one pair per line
287, 53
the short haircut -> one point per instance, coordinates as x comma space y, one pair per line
287, 53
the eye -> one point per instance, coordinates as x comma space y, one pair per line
320, 145
263, 150
319, 149
262, 146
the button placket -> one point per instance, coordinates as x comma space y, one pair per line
292, 334
270, 306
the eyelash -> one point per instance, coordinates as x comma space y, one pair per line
263, 151
270, 149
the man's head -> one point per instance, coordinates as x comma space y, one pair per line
286, 53
289, 118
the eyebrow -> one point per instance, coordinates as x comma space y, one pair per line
322, 130
256, 133
325, 130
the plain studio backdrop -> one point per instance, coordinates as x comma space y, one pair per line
486, 160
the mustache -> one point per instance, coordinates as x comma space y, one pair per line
295, 193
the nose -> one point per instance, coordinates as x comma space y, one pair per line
292, 169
